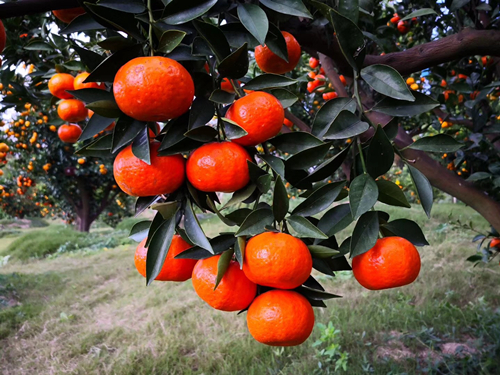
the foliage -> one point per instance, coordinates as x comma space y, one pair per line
330, 350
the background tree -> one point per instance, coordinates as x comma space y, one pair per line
42, 175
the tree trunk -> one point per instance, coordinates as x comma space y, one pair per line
84, 216
83, 223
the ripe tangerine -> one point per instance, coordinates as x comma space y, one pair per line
59, 83
392, 262
164, 176
173, 269
234, 292
218, 167
69, 133
260, 114
269, 62
277, 260
280, 318
72, 110
153, 88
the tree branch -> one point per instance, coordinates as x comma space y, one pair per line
465, 43
329, 66
25, 7
297, 121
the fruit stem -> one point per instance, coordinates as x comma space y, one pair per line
361, 156
236, 89
151, 21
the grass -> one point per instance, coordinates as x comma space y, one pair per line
90, 312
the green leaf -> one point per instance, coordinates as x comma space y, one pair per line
394, 107
349, 9
169, 40
256, 222
390, 193
350, 38
201, 112
105, 108
140, 230
275, 163
267, 81
182, 11
363, 194
142, 203
319, 200
380, 155
304, 228
457, 4
222, 97
214, 37
478, 176
116, 43
223, 265
387, 81
202, 134
365, 233
239, 250
424, 189
114, 19
106, 70
407, 229
286, 98
37, 45
89, 58
437, 143
239, 216
328, 113
308, 158
346, 125
219, 244
336, 219
291, 7
95, 125
264, 183
158, 249
321, 252
232, 129
276, 42
92, 95
255, 21
129, 6
125, 131
193, 229
295, 142
166, 209
280, 200
326, 169
83, 22
140, 146
241, 195
419, 13
315, 294
236, 64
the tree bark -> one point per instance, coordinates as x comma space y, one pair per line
84, 216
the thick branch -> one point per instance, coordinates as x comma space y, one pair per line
297, 121
449, 182
467, 42
328, 65
25, 7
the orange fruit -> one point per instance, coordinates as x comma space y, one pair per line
278, 260
153, 88
164, 176
3, 37
280, 318
269, 62
72, 110
59, 83
173, 269
68, 15
218, 167
260, 114
392, 262
495, 242
225, 85
78, 83
235, 292
288, 123
69, 133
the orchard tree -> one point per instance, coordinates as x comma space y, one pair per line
42, 176
246, 112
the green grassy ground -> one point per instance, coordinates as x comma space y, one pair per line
89, 312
